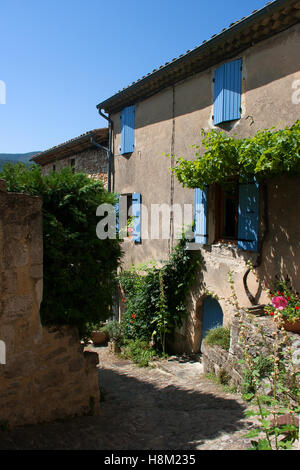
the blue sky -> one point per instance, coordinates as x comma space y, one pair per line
60, 58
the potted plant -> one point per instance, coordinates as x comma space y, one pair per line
97, 335
284, 306
114, 331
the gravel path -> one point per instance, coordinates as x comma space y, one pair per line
170, 407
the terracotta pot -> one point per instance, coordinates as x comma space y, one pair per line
292, 326
288, 325
98, 337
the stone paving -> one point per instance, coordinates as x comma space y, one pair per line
169, 407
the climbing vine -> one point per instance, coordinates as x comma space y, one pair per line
269, 153
154, 296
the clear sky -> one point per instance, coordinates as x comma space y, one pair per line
60, 58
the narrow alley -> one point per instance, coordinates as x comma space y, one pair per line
170, 407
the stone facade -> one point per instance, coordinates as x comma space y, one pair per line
92, 161
217, 360
44, 374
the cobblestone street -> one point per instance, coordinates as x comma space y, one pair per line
170, 407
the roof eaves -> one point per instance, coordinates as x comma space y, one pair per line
142, 87
66, 147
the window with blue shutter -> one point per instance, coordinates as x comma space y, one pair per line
227, 92
136, 213
201, 216
127, 130
248, 216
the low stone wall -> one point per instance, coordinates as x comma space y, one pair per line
218, 361
44, 373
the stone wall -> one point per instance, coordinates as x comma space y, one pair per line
92, 161
44, 374
217, 360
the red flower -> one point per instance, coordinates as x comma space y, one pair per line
297, 308
288, 298
133, 315
272, 314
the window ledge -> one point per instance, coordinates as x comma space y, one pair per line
223, 250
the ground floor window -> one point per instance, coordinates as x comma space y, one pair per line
227, 201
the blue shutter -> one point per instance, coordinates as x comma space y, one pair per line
248, 214
232, 90
219, 94
200, 216
136, 213
227, 92
117, 209
127, 130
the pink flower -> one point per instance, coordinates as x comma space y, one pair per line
279, 302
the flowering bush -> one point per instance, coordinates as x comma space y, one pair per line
283, 301
271, 380
154, 296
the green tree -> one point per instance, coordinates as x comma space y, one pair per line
79, 269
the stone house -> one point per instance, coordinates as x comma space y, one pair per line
241, 80
86, 153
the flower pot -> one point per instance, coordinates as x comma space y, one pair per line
288, 325
99, 337
292, 326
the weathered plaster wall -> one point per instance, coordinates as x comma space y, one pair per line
46, 375
171, 121
91, 161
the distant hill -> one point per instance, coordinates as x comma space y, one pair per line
15, 158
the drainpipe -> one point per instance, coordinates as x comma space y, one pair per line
108, 160
109, 153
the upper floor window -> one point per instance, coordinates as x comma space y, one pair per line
227, 92
72, 163
127, 130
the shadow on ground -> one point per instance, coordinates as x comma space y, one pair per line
137, 415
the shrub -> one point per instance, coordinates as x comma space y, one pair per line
219, 336
79, 269
284, 299
114, 331
138, 351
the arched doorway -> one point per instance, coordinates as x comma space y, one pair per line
212, 315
